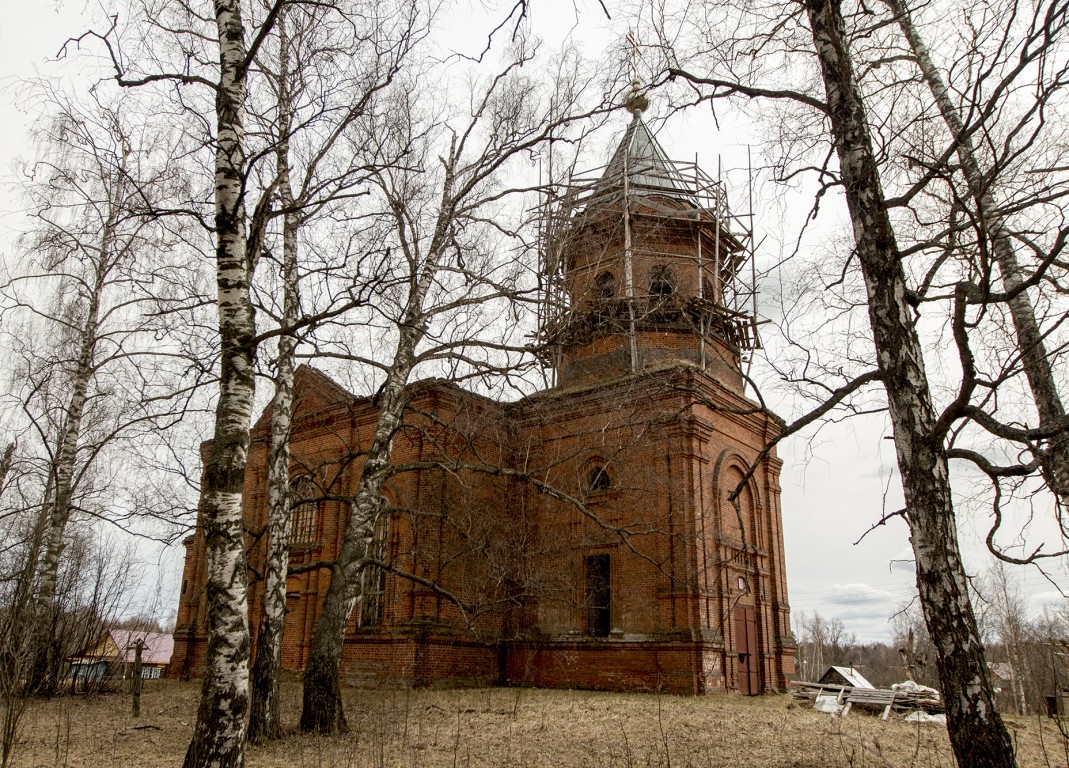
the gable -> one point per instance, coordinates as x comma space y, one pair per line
313, 391
845, 676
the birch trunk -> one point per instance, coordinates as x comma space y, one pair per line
46, 666
264, 721
322, 709
219, 735
5, 465
977, 733
1055, 461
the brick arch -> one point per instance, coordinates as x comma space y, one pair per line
730, 467
390, 495
745, 615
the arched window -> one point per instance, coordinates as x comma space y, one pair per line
373, 578
739, 517
598, 479
661, 284
604, 287
303, 521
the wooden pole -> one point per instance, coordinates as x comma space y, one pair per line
136, 682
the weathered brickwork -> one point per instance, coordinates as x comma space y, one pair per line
507, 524
580, 537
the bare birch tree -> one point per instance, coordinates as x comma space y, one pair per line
444, 208
307, 97
867, 144
984, 185
219, 734
78, 319
191, 44
1010, 621
216, 55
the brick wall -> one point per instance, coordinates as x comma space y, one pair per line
513, 544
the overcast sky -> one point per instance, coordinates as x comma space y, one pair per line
836, 483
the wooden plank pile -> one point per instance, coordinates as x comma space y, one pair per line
887, 698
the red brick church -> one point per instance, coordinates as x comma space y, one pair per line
582, 536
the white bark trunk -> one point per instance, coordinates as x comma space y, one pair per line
977, 733
219, 735
46, 666
322, 708
264, 721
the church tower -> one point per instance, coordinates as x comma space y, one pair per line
648, 319
644, 260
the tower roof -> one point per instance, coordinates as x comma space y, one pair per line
645, 162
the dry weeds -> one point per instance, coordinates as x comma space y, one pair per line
512, 727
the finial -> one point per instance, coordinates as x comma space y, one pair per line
637, 101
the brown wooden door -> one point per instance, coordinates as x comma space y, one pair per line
746, 648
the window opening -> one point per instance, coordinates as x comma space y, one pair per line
372, 578
305, 510
604, 287
598, 596
661, 284
598, 479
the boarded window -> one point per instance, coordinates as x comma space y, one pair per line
598, 596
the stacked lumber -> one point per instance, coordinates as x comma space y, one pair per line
901, 700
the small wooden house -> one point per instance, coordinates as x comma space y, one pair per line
112, 657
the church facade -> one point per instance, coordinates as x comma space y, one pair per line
620, 530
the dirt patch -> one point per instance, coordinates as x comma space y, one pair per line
495, 727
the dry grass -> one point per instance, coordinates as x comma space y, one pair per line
512, 727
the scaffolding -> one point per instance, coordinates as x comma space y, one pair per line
641, 208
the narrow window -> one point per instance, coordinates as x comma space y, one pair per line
604, 287
661, 285
707, 289
598, 479
598, 596
304, 514
373, 578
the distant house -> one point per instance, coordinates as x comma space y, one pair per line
1001, 676
113, 656
845, 676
